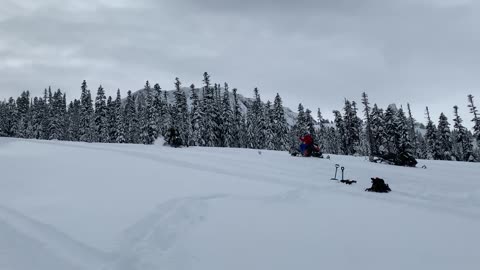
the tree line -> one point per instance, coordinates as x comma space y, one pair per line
212, 117
392, 131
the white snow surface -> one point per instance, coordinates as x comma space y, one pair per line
86, 206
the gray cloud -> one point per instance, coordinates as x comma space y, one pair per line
314, 52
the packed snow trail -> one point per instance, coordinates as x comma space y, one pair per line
109, 206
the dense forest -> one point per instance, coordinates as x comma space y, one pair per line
210, 117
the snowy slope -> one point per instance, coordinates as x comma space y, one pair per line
96, 206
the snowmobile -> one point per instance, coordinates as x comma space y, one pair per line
175, 142
173, 138
314, 152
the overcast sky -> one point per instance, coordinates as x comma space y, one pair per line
317, 52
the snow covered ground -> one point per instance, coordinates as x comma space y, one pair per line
96, 206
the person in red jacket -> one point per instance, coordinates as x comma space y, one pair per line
306, 147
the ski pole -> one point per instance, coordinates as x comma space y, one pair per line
343, 169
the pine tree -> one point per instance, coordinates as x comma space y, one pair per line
250, 129
46, 115
12, 118
269, 131
111, 123
300, 127
332, 141
280, 130
181, 113
404, 145
148, 127
475, 120
444, 138
258, 122
37, 118
237, 122
195, 119
159, 109
130, 119
431, 138
391, 134
366, 110
29, 132
74, 117
310, 123
340, 133
23, 109
352, 128
320, 133
166, 114
413, 137
216, 116
378, 131
57, 115
464, 147
243, 132
227, 119
422, 151
86, 115
120, 135
209, 124
101, 127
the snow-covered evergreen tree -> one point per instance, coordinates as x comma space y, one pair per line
159, 105
209, 121
37, 118
412, 132
352, 128
111, 120
86, 115
216, 114
331, 143
166, 114
259, 121
310, 122
391, 132
46, 113
195, 118
74, 119
120, 134
238, 140
280, 128
463, 143
149, 130
130, 119
404, 145
182, 118
431, 137
320, 132
57, 115
366, 110
475, 120
23, 112
444, 138
101, 121
227, 120
269, 126
340, 133
300, 127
